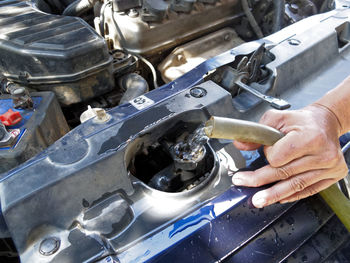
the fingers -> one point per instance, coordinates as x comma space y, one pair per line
284, 189
246, 146
309, 191
269, 174
271, 118
299, 184
305, 161
274, 118
289, 148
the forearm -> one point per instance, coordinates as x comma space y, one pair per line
338, 101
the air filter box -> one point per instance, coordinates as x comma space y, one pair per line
39, 127
53, 53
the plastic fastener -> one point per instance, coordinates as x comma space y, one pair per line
10, 117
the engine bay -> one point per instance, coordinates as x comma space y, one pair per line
100, 54
103, 94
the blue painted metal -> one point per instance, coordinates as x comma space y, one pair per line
188, 80
210, 233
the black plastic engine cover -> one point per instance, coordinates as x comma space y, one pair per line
53, 53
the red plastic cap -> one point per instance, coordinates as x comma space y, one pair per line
10, 117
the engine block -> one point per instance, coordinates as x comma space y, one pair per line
158, 25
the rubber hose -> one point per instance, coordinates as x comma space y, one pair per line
244, 131
251, 19
78, 7
150, 66
134, 86
278, 19
338, 203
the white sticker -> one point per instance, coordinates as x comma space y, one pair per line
141, 102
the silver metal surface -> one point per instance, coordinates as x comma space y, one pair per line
279, 104
49, 246
147, 38
188, 56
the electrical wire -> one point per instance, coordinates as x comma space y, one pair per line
150, 66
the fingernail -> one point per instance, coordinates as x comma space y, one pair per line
259, 200
237, 180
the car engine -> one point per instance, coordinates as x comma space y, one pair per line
94, 94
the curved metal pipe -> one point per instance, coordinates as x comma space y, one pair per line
251, 19
134, 86
278, 20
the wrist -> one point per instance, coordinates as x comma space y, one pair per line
332, 120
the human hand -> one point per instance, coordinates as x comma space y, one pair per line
305, 161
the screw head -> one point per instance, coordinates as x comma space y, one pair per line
198, 92
49, 246
294, 42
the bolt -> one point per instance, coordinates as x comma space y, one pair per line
180, 57
133, 13
227, 37
49, 246
294, 42
198, 92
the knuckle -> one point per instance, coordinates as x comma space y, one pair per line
272, 159
312, 190
282, 173
297, 197
332, 157
274, 197
344, 172
272, 116
268, 114
297, 184
255, 183
343, 169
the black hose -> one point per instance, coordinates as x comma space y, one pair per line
78, 7
150, 66
134, 86
278, 19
